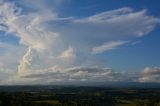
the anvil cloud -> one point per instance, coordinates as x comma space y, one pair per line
51, 47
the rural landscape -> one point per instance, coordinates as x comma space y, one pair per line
78, 96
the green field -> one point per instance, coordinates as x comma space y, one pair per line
82, 96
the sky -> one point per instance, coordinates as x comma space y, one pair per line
79, 41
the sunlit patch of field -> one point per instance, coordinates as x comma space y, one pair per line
126, 103
51, 102
137, 103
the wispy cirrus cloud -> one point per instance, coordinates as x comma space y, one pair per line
108, 46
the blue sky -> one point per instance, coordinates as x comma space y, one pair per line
50, 41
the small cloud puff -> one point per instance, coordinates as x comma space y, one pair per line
150, 74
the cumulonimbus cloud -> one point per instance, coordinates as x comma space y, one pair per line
72, 38
29, 28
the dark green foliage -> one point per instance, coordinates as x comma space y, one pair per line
82, 96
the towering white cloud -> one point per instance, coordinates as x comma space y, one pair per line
24, 62
29, 28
